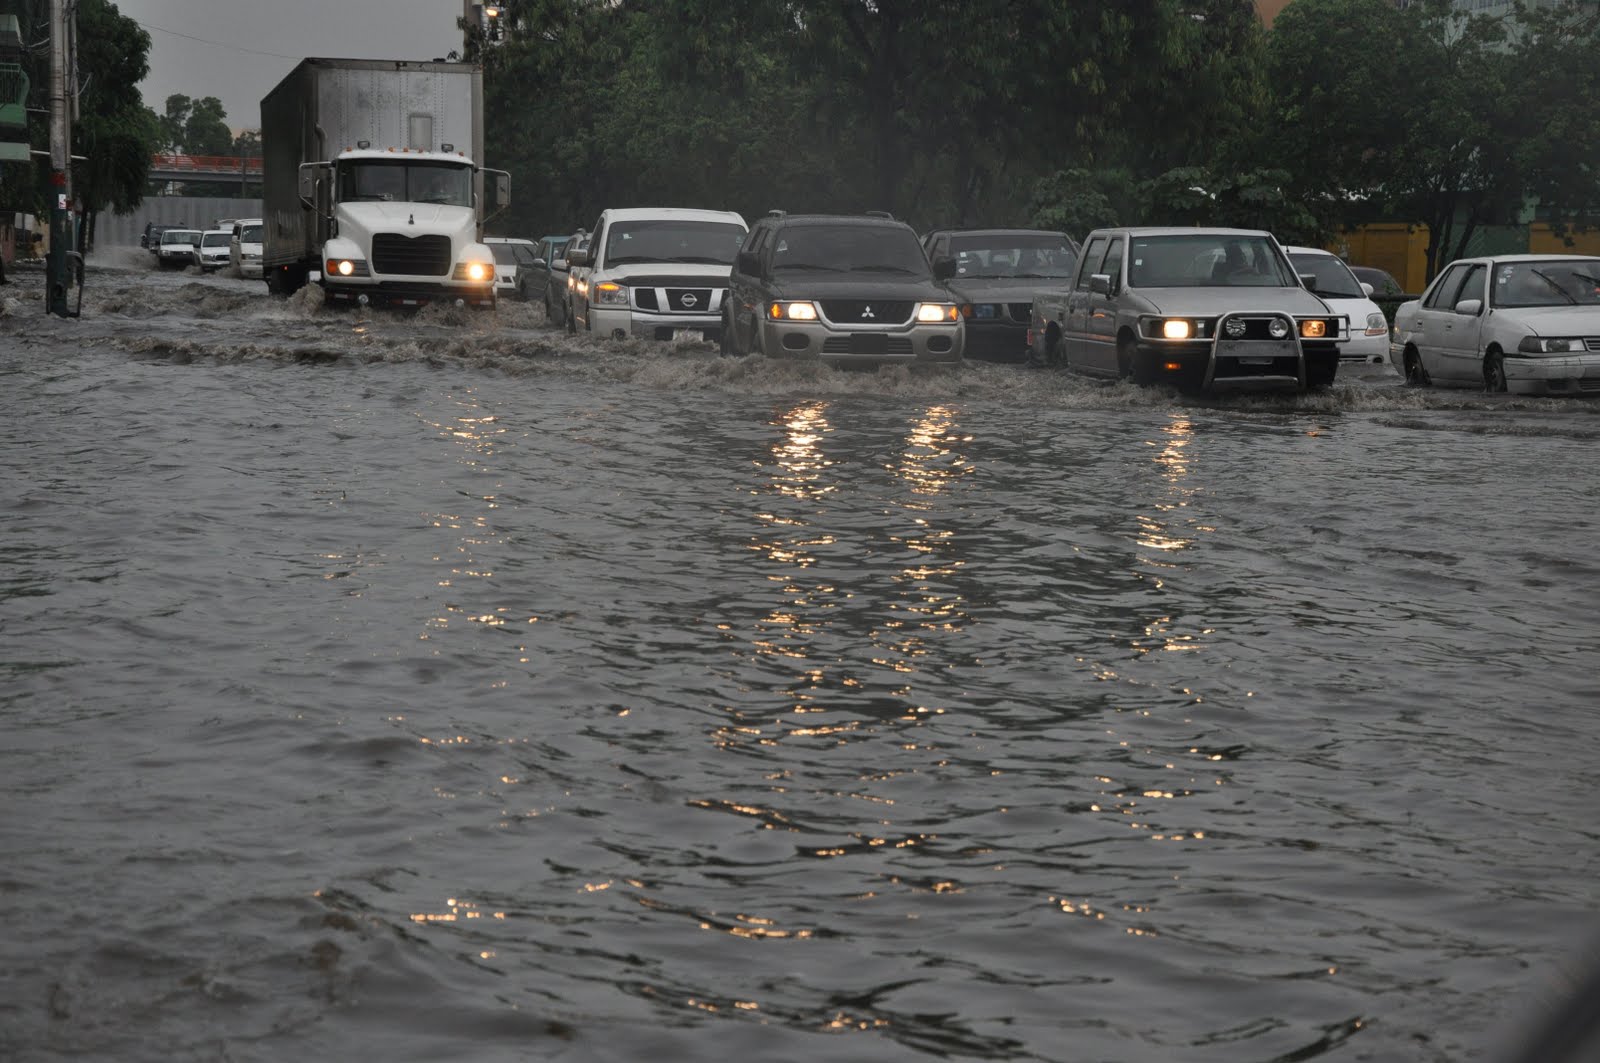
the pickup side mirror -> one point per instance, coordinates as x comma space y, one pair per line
944, 267
1470, 307
1100, 283
578, 257
1308, 281
748, 263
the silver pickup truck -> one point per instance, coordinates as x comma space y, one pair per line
1205, 310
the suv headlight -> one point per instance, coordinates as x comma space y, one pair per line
1546, 345
801, 311
935, 312
610, 294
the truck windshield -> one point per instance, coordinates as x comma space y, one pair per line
1013, 255
1207, 260
382, 181
709, 242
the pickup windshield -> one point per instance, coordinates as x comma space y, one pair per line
383, 181
1013, 255
1208, 260
711, 243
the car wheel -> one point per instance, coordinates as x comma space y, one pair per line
1416, 375
1494, 371
1131, 365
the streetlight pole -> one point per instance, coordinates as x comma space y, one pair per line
57, 267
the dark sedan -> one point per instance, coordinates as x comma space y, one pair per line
997, 273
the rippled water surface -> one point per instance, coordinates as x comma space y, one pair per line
447, 688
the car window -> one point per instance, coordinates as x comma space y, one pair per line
1091, 258
1442, 296
1009, 255
1329, 275
1112, 264
1472, 284
1208, 260
1555, 282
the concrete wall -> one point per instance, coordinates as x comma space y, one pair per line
123, 230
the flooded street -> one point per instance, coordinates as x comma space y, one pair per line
449, 688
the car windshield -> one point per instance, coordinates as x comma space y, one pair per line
216, 239
1555, 282
1013, 255
382, 181
1208, 260
1382, 282
1329, 276
712, 243
850, 249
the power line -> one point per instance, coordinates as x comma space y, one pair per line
219, 44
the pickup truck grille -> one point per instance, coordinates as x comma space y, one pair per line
866, 311
422, 256
678, 300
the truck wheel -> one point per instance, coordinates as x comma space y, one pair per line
725, 341
1131, 365
571, 319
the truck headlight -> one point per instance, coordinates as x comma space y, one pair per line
792, 311
1311, 330
1547, 345
346, 267
610, 294
930, 312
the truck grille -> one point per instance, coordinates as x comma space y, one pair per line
422, 256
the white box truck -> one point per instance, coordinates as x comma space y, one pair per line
373, 182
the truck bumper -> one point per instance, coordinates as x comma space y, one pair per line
643, 325
409, 293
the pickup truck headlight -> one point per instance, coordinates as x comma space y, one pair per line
792, 311
1548, 345
932, 312
1173, 328
610, 294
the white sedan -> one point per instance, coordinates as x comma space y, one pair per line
1528, 324
1327, 276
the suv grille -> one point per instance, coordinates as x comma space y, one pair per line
866, 311
867, 343
424, 256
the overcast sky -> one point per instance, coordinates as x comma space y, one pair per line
237, 50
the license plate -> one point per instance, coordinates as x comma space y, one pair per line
692, 334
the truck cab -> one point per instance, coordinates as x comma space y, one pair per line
405, 228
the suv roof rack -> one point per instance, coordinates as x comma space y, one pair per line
776, 213
880, 214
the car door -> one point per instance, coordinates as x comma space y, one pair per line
1100, 325
744, 286
1074, 326
1433, 314
1459, 359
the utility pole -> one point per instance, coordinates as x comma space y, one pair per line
58, 268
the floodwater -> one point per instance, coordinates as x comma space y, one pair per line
446, 688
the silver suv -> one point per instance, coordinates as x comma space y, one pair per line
845, 289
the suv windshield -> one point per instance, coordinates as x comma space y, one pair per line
1557, 282
1331, 277
850, 249
1208, 260
1013, 255
712, 243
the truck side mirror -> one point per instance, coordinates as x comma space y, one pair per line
748, 263
1100, 283
500, 196
308, 184
578, 257
944, 268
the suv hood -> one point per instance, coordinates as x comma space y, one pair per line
857, 286
1199, 302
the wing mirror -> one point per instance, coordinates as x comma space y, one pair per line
577, 257
1100, 283
1470, 307
748, 263
944, 267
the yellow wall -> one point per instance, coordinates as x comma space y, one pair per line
1541, 241
1397, 247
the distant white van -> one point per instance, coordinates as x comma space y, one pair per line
244, 250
